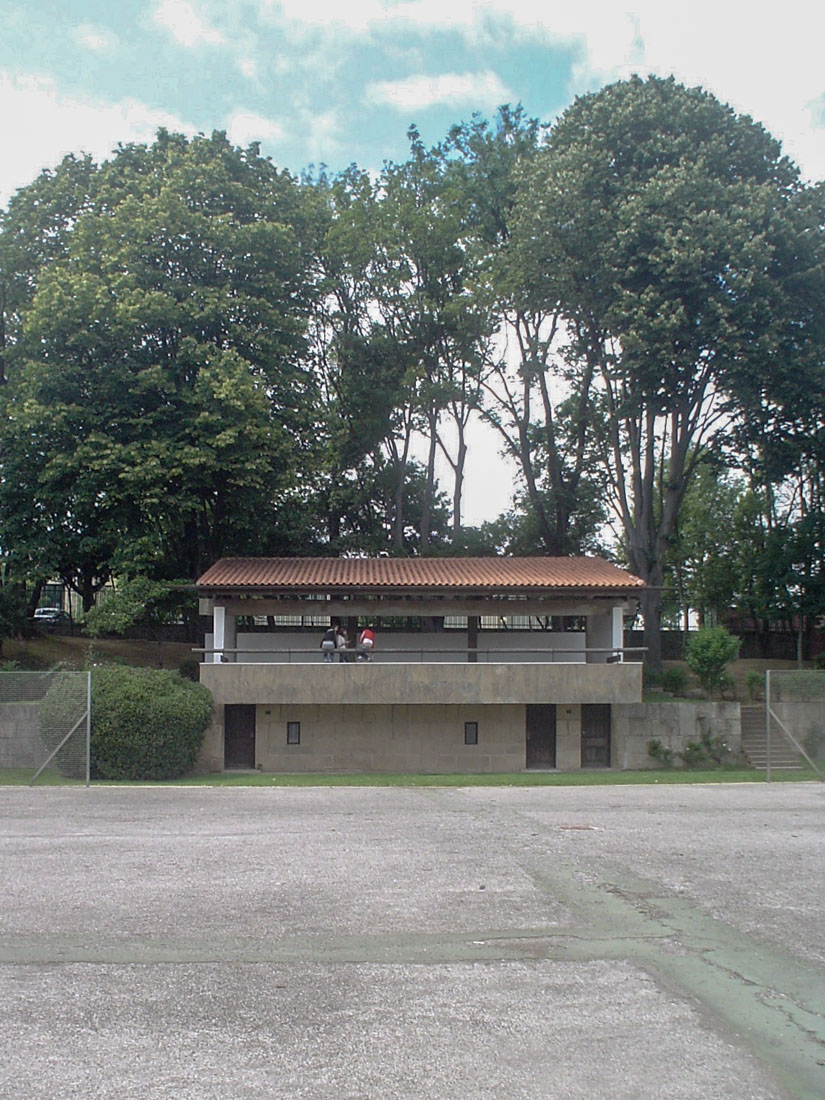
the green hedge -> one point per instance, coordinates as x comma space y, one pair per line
146, 723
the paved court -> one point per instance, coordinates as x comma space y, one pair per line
601, 942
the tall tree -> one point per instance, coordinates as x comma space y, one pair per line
159, 404
537, 407
424, 281
659, 212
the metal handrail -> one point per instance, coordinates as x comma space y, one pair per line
424, 655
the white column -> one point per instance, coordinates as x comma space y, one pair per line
218, 633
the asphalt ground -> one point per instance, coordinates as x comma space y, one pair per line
590, 942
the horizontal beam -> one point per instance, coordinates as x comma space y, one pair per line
365, 608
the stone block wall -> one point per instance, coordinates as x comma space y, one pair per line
674, 724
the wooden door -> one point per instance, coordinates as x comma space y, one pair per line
541, 735
595, 735
239, 735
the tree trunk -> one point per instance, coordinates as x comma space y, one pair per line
651, 603
429, 491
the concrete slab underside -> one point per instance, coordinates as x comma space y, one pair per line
558, 942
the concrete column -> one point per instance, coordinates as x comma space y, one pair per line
472, 638
568, 737
604, 631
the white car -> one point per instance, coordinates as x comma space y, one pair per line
50, 615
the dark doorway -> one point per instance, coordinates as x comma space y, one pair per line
541, 735
239, 735
595, 735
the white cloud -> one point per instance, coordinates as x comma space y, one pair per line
766, 62
248, 67
42, 126
414, 93
185, 24
357, 15
322, 133
245, 127
94, 38
768, 66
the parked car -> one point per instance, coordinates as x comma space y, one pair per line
50, 616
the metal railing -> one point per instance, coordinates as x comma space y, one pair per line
420, 655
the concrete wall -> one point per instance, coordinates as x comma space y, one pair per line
674, 724
429, 737
421, 739
385, 714
363, 682
20, 744
806, 722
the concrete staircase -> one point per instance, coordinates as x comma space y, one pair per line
783, 755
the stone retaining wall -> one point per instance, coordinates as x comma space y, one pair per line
674, 724
20, 744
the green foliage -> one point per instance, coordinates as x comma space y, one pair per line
157, 387
146, 723
138, 601
657, 751
59, 711
12, 612
652, 219
674, 680
707, 751
755, 683
707, 654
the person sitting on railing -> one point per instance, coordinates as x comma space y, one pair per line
366, 643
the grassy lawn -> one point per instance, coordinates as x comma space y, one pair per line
22, 776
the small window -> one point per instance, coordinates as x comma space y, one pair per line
293, 733
471, 733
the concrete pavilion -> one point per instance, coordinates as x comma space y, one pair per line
481, 664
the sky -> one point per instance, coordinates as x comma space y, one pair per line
323, 82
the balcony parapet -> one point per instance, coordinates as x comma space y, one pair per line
441, 682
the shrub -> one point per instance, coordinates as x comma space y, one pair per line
674, 680
707, 751
190, 669
62, 706
707, 654
657, 751
146, 723
755, 683
651, 678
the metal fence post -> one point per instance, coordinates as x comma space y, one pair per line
768, 725
89, 728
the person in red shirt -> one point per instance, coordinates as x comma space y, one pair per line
366, 642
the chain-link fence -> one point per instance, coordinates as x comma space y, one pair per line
45, 724
795, 706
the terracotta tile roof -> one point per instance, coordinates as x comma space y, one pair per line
281, 575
